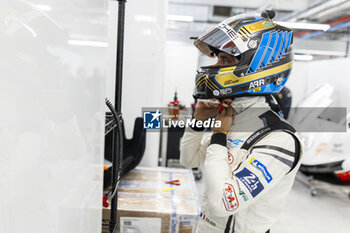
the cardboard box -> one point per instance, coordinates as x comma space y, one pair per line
147, 204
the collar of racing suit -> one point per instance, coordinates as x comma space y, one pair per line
241, 104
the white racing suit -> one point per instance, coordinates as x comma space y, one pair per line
248, 173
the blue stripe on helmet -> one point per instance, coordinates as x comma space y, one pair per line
284, 44
289, 41
269, 50
277, 47
260, 52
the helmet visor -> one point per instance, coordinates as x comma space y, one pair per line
226, 37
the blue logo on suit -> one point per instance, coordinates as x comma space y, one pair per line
251, 181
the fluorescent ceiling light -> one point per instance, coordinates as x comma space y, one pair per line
303, 57
329, 11
314, 10
88, 43
308, 26
185, 18
43, 7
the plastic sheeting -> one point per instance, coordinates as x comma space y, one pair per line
52, 115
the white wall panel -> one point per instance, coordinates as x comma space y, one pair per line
180, 71
307, 76
334, 72
52, 116
297, 81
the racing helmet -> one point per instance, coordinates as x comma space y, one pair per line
264, 50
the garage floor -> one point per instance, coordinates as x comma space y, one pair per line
324, 213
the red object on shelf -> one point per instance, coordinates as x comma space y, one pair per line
105, 203
173, 182
174, 108
344, 176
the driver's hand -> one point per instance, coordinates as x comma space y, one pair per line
226, 118
204, 110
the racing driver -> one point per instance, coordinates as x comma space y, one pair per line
251, 160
